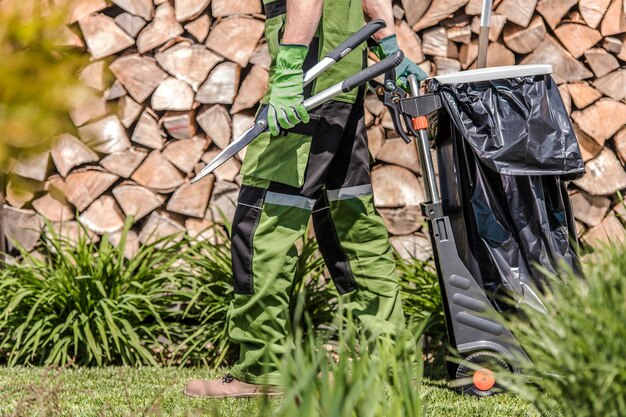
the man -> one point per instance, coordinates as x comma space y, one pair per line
319, 167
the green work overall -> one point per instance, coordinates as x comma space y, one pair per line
318, 169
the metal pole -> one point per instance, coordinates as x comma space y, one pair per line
483, 36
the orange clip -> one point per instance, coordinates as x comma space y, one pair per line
420, 123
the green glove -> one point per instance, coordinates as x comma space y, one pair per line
286, 106
389, 46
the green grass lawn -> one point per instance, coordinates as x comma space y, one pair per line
152, 391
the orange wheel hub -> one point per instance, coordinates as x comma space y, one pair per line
484, 379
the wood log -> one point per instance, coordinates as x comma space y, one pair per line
612, 44
102, 36
192, 199
141, 8
103, 216
474, 7
613, 84
228, 171
241, 123
235, 38
252, 89
221, 85
498, 55
610, 230
604, 175
565, 67
460, 34
402, 221
158, 174
22, 228
189, 63
173, 94
199, 28
396, 187
185, 154
81, 9
71, 232
600, 61
435, 42
223, 202
438, 10
409, 42
163, 28
412, 247
589, 209
614, 21
203, 230
216, 123
374, 105
525, 40
69, 152
396, 152
375, 139
622, 52
577, 38
82, 187
55, 184
567, 98
69, 38
223, 8
139, 75
160, 226
124, 163
93, 75
180, 125
20, 191
593, 11
261, 56
468, 54
554, 10
517, 11
87, 108
611, 113
116, 91
128, 111
189, 9
137, 201
414, 10
620, 144
147, 132
32, 164
583, 94
447, 65
130, 241
130, 23
54, 207
497, 24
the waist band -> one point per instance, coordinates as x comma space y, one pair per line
275, 8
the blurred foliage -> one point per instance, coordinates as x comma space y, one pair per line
38, 76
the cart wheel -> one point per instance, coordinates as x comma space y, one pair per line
480, 381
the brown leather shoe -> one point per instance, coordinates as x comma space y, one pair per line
230, 387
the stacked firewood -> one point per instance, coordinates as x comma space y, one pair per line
176, 80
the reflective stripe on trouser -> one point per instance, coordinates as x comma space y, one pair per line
270, 219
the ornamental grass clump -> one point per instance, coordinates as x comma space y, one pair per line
578, 349
84, 303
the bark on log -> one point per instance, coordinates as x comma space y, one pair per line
525, 40
185, 154
139, 75
21, 227
163, 28
222, 8
128, 111
610, 112
199, 28
221, 85
601, 62
159, 226
124, 163
577, 38
147, 132
189, 63
82, 187
235, 38
173, 94
54, 207
189, 9
103, 216
137, 201
583, 94
613, 84
402, 221
192, 199
20, 191
216, 123
396, 152
32, 164
396, 187
131, 24
252, 89
589, 209
103, 37
141, 8
69, 152
604, 175
158, 174
517, 11
593, 11
438, 10
614, 21
180, 125
565, 67
554, 10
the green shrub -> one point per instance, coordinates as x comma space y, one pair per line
84, 303
578, 348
